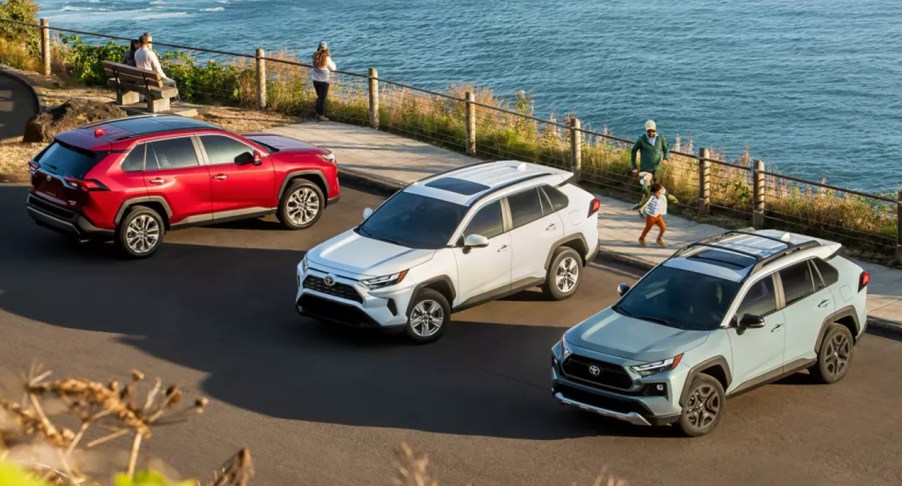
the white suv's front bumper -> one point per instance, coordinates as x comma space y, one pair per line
348, 301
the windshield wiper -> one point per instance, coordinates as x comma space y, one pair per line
658, 320
619, 308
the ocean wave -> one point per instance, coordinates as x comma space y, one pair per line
163, 15
214, 9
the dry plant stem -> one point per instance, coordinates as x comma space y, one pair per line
133, 458
107, 438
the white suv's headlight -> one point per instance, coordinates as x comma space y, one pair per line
387, 280
658, 366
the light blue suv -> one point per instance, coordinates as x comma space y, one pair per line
719, 317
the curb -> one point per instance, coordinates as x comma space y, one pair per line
359, 178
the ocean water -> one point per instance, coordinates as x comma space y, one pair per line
812, 87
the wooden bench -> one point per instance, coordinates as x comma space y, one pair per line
131, 83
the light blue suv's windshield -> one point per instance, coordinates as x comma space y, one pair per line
680, 298
414, 221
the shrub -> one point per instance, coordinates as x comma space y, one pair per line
19, 44
83, 61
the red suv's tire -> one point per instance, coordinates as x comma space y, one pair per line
140, 232
302, 205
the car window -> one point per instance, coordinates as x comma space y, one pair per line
558, 199
487, 221
797, 282
760, 300
223, 150
176, 153
67, 160
414, 221
680, 299
134, 162
829, 275
525, 207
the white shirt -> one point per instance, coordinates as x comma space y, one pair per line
323, 74
147, 59
657, 205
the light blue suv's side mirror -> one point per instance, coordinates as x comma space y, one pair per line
367, 212
750, 321
622, 289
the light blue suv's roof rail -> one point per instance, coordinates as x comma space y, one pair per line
760, 261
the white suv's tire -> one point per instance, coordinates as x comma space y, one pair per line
564, 274
835, 355
428, 317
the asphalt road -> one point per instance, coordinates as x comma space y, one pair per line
212, 311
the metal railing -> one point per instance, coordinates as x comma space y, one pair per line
470, 121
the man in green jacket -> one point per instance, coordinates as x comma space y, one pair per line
654, 150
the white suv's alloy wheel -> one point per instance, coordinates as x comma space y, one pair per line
303, 204
566, 276
426, 318
142, 234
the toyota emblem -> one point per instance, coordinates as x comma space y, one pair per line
594, 370
49, 178
329, 280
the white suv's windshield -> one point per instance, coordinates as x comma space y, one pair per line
680, 298
414, 221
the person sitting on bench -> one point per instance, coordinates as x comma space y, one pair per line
147, 59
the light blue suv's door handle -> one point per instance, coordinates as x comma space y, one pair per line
776, 328
824, 303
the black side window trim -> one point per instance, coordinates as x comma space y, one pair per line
140, 146
544, 190
203, 148
539, 196
777, 304
811, 290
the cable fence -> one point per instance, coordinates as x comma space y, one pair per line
474, 121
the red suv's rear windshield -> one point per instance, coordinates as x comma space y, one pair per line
66, 160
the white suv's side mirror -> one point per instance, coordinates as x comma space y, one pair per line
476, 241
367, 212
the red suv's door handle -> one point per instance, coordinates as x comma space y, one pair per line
220, 177
157, 180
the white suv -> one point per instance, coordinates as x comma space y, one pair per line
452, 241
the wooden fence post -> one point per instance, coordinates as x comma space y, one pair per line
576, 147
45, 45
261, 78
471, 123
899, 226
758, 195
374, 98
704, 181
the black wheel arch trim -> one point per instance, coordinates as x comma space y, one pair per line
128, 203
291, 176
847, 311
563, 241
444, 279
701, 368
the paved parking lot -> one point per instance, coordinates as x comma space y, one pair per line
212, 311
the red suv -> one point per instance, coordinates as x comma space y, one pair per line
132, 179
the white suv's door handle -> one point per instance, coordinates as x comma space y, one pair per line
220, 177
550, 227
503, 248
157, 180
824, 303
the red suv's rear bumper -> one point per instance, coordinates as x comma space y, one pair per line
64, 220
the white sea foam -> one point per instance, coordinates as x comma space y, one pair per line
162, 15
214, 9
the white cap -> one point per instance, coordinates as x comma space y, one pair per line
650, 125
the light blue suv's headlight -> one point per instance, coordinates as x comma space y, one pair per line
384, 281
304, 264
658, 366
565, 348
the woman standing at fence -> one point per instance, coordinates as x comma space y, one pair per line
321, 75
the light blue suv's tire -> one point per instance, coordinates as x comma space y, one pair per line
835, 355
705, 406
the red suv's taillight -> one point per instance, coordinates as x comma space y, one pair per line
33, 167
87, 185
594, 206
863, 280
